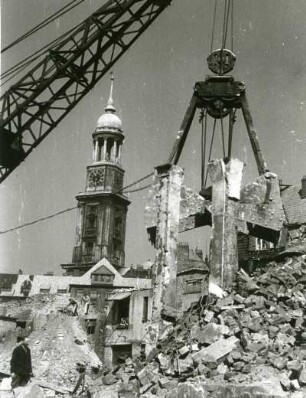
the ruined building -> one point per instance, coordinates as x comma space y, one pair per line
253, 250
102, 208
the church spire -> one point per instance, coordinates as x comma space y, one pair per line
110, 107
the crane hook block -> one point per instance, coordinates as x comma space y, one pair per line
221, 61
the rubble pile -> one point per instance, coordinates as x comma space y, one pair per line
57, 343
38, 304
250, 341
254, 337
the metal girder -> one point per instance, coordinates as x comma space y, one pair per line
183, 132
34, 106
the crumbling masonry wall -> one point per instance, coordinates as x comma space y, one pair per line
166, 301
226, 179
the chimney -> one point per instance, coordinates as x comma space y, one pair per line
303, 190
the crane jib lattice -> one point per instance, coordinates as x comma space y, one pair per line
32, 107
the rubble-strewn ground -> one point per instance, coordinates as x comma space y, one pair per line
57, 343
251, 343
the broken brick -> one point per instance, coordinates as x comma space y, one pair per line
183, 350
302, 376
163, 361
109, 379
209, 333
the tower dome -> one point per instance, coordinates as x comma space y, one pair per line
109, 121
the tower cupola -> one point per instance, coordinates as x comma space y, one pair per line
109, 120
108, 136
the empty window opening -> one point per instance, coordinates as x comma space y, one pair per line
110, 144
121, 353
261, 244
193, 286
91, 326
121, 309
44, 291
145, 309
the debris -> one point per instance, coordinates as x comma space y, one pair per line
216, 290
216, 350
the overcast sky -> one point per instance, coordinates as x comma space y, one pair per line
153, 85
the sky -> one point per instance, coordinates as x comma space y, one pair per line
153, 85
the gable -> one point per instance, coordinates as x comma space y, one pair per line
102, 271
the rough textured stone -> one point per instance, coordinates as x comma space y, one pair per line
295, 385
209, 333
109, 379
302, 376
216, 350
163, 361
265, 389
129, 390
30, 391
187, 390
185, 364
184, 350
166, 383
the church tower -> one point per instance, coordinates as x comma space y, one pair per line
102, 208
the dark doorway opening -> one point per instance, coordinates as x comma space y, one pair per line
121, 353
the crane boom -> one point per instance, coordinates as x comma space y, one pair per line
34, 106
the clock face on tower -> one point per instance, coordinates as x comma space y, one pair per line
96, 177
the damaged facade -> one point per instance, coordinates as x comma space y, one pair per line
254, 251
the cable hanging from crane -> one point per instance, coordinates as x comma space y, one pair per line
228, 15
20, 66
227, 12
44, 23
119, 191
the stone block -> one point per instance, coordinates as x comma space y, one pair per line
295, 385
256, 347
187, 390
294, 365
146, 387
208, 315
284, 339
183, 350
163, 361
222, 369
109, 379
147, 374
238, 366
302, 376
129, 361
264, 389
168, 384
30, 391
285, 382
209, 333
279, 362
152, 354
216, 350
195, 347
129, 390
184, 365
